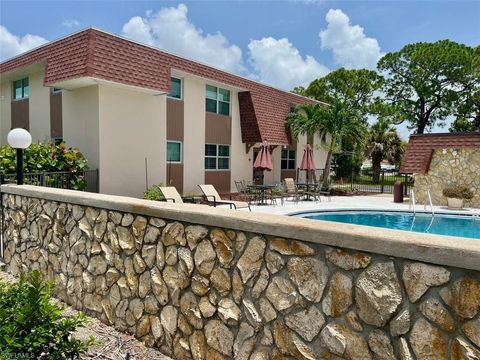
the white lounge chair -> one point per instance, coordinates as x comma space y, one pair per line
170, 193
213, 197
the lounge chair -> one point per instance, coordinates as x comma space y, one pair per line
212, 197
170, 193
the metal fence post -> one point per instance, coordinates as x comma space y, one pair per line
42, 178
382, 182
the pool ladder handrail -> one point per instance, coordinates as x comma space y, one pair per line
411, 202
429, 196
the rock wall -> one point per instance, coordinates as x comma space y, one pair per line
199, 292
450, 167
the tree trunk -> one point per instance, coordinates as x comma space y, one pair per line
326, 171
376, 167
421, 127
422, 119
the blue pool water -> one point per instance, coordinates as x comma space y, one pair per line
452, 225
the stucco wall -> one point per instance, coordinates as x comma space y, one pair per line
132, 127
241, 162
450, 167
39, 112
194, 137
5, 110
80, 113
205, 283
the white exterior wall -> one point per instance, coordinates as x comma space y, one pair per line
241, 162
80, 122
5, 110
319, 152
132, 127
194, 134
39, 108
272, 177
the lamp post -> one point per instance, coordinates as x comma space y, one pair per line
19, 139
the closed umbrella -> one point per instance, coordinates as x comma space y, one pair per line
264, 159
307, 161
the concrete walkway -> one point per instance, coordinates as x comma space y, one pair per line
370, 202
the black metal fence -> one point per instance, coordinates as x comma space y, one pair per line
80, 180
364, 181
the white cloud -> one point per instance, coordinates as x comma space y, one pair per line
170, 29
11, 45
279, 63
351, 47
71, 23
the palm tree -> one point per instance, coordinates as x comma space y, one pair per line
335, 123
383, 143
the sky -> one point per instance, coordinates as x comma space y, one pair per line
282, 43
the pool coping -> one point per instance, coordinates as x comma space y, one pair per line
437, 249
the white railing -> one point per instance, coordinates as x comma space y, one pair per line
411, 201
429, 197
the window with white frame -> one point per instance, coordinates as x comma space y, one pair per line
175, 88
217, 157
288, 159
56, 90
21, 89
174, 151
217, 100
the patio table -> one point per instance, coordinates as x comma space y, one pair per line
262, 189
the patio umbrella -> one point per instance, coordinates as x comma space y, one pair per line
307, 161
264, 158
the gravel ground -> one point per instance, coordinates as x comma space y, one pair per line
113, 345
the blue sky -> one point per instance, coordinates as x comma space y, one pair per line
283, 43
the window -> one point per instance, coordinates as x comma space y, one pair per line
217, 157
174, 151
175, 88
217, 100
288, 160
56, 90
21, 89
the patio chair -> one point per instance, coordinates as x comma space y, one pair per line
318, 192
277, 193
244, 191
292, 190
212, 197
170, 193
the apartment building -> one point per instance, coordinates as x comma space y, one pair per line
141, 115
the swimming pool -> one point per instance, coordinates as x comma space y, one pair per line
443, 224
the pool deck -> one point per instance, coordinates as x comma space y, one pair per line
369, 202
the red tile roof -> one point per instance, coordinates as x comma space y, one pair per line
421, 147
97, 54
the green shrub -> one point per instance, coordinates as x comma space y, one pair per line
46, 157
32, 327
154, 193
458, 192
40, 157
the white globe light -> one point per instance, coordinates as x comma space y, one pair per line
19, 138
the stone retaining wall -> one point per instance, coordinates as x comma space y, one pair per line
450, 167
199, 291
